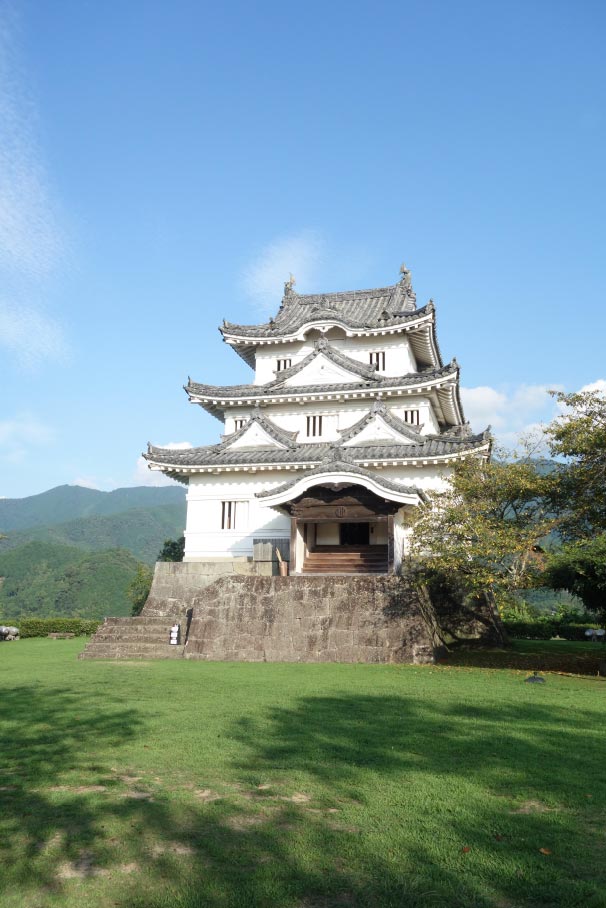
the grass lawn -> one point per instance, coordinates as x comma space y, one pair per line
183, 784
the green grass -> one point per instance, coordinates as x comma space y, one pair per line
571, 656
184, 784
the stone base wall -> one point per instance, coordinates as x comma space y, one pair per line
366, 618
176, 584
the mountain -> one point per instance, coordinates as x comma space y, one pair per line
67, 503
43, 578
141, 530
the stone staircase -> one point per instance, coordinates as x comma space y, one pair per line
142, 637
341, 559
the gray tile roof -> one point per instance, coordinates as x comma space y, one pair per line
429, 446
354, 308
277, 388
258, 417
335, 462
323, 348
398, 425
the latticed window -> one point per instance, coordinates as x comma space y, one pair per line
411, 416
314, 426
238, 423
233, 514
283, 364
377, 360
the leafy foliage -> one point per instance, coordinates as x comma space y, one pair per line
580, 568
172, 550
139, 587
42, 627
483, 532
579, 435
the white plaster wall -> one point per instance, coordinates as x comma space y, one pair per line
204, 537
399, 357
378, 533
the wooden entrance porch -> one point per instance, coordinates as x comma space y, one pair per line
348, 530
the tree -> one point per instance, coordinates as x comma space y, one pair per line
172, 550
139, 587
482, 534
579, 436
580, 569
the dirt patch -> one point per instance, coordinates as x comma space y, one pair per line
129, 780
298, 797
138, 795
78, 789
84, 867
207, 795
532, 807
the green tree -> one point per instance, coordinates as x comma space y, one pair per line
579, 436
172, 550
482, 533
139, 587
580, 569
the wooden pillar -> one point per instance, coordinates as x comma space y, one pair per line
390, 544
293, 545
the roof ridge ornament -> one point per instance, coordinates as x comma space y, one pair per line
410, 297
378, 406
322, 344
289, 285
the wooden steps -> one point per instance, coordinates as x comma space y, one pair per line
341, 559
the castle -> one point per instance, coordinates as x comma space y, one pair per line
351, 420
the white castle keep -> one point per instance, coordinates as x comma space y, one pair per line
351, 420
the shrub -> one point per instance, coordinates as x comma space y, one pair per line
546, 628
41, 627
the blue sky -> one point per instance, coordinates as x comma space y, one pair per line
165, 165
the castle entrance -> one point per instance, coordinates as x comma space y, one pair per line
345, 529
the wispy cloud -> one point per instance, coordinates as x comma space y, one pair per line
19, 434
143, 476
32, 242
512, 413
299, 253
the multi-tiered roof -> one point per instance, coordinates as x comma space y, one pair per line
380, 438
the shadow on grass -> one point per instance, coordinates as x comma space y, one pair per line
399, 790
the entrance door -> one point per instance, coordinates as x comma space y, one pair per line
354, 534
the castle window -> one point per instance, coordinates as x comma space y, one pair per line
378, 361
314, 426
412, 417
233, 514
283, 364
238, 423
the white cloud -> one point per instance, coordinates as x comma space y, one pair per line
511, 412
300, 254
32, 243
599, 385
143, 476
19, 434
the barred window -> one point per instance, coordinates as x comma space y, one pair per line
378, 361
314, 426
412, 417
238, 423
233, 514
283, 364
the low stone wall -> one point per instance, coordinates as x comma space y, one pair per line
176, 584
368, 618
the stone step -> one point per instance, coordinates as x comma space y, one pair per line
132, 639
135, 620
131, 651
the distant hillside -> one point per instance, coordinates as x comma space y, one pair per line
43, 578
141, 530
67, 503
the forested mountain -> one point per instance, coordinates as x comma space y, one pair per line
140, 530
73, 551
66, 503
41, 579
